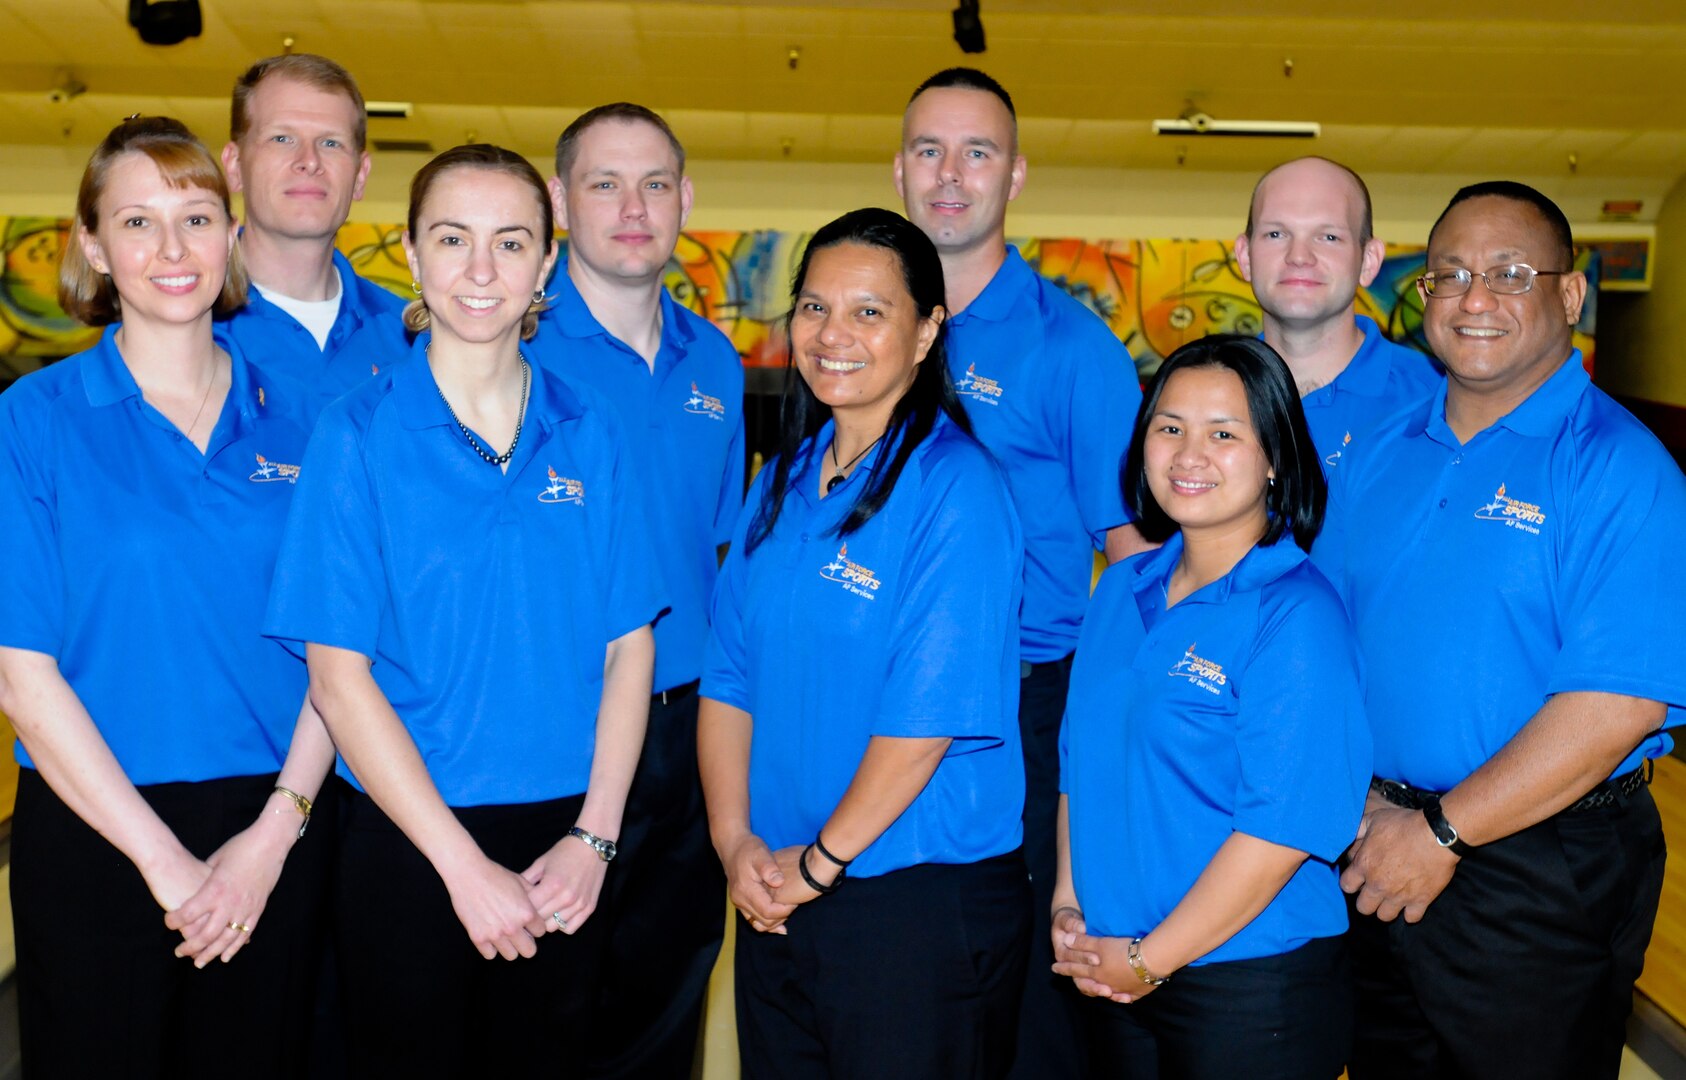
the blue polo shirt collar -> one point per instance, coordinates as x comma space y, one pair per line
1367, 372
107, 380
1258, 568
416, 394
1542, 413
574, 318
1001, 295
804, 476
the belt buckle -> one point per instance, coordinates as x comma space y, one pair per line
1395, 792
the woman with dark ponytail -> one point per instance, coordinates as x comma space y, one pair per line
860, 695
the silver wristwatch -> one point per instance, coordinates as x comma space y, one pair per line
605, 848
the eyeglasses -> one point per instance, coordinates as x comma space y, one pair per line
1512, 279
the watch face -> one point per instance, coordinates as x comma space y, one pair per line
608, 850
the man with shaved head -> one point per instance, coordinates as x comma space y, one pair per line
1308, 247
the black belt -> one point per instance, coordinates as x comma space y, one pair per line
1605, 794
677, 693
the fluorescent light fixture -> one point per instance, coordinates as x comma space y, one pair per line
1201, 124
388, 110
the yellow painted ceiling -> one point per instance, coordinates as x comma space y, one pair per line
1409, 87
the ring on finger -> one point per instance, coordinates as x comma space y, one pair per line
239, 927
561, 923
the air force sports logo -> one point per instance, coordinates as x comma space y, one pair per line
273, 472
854, 577
1203, 673
1335, 459
701, 404
560, 489
978, 387
1512, 513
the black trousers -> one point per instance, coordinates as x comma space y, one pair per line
419, 999
1050, 1046
665, 909
100, 991
1286, 1017
914, 974
1525, 964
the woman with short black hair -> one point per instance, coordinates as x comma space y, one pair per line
860, 695
1215, 755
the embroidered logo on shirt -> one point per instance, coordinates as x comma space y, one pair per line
273, 472
374, 369
978, 387
1335, 458
1512, 513
562, 490
701, 404
854, 577
1201, 672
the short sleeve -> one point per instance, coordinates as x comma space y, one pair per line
330, 581
725, 672
955, 627
1301, 736
635, 593
32, 616
1622, 625
1103, 399
731, 501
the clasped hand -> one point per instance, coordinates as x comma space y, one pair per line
1098, 966
1395, 866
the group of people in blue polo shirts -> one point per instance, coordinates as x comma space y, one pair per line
1342, 766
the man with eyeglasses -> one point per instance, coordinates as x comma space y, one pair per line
1510, 553
1308, 247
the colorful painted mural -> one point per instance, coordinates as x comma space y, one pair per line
1155, 294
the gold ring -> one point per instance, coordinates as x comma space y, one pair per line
239, 927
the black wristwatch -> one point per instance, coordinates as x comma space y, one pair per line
1444, 834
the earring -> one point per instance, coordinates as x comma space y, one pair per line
1272, 480
416, 287
538, 296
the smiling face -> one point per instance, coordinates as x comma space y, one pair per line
959, 167
1204, 462
1504, 346
479, 251
297, 164
1305, 256
166, 248
623, 201
856, 334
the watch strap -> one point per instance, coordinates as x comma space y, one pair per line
1444, 833
606, 849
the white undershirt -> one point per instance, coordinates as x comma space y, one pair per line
317, 316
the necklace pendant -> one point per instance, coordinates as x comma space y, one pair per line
831, 485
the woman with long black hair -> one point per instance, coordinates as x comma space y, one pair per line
858, 737
1215, 757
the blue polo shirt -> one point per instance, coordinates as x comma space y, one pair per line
1054, 396
279, 344
485, 598
1543, 555
1237, 710
142, 565
686, 430
1381, 379
905, 628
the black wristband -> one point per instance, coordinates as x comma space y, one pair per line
1444, 834
802, 865
841, 864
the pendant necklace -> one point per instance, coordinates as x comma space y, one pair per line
520, 417
837, 477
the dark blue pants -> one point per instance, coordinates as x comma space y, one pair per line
664, 905
1050, 1046
1286, 1017
914, 975
419, 999
1525, 964
100, 991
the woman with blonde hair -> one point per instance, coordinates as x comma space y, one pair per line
168, 767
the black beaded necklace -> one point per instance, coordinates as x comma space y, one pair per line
520, 417
837, 477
